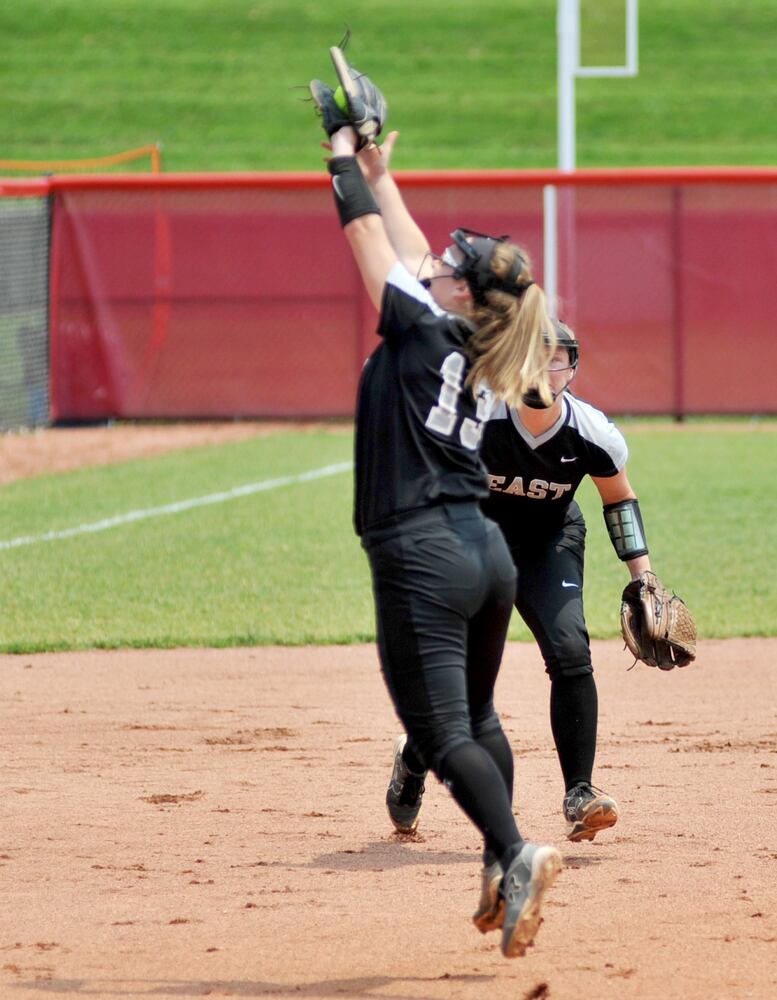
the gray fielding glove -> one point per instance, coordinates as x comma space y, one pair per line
365, 105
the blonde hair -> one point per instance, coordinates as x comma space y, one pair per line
514, 337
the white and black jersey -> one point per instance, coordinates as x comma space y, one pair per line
532, 480
418, 428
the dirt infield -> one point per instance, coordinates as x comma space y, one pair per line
62, 449
211, 823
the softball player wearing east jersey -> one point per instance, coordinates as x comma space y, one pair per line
443, 579
536, 458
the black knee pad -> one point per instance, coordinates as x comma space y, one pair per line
559, 671
486, 721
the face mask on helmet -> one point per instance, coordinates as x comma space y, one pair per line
477, 250
566, 339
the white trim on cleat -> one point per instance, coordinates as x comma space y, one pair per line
588, 810
524, 885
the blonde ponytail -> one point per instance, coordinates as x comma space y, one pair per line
514, 338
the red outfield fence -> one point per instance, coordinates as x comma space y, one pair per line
235, 295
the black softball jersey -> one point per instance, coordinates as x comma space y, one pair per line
532, 480
418, 428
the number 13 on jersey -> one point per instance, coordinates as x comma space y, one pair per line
444, 416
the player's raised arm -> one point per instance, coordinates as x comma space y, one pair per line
352, 121
409, 242
360, 216
486, 279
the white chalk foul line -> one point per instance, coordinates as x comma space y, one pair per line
176, 508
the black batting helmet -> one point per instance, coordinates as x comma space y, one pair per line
475, 267
566, 338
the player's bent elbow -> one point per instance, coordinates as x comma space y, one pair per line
365, 227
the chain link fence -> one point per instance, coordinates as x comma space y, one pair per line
24, 334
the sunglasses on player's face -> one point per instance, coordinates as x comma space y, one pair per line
448, 258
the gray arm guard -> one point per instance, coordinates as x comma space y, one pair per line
626, 530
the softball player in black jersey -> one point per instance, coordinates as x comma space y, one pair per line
443, 579
537, 456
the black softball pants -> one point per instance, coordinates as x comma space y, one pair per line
549, 595
549, 598
444, 586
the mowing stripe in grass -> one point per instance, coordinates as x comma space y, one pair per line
176, 508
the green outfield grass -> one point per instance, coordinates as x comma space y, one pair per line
469, 84
283, 566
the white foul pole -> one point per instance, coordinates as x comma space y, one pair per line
567, 34
568, 68
568, 31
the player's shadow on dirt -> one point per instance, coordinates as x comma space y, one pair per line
389, 987
582, 861
403, 852
383, 854
380, 855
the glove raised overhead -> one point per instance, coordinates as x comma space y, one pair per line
356, 101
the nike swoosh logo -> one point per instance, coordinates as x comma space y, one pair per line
341, 196
569, 459
565, 584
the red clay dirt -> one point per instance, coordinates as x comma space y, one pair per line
61, 449
211, 823
194, 823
